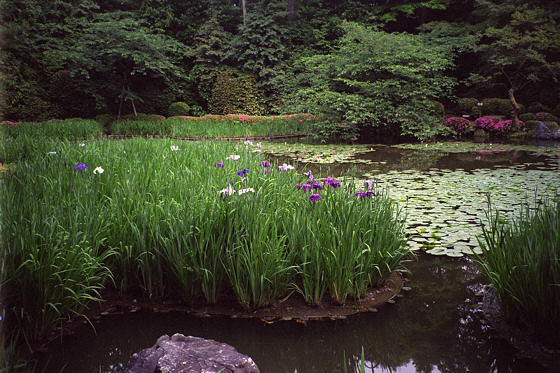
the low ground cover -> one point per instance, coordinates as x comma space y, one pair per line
165, 218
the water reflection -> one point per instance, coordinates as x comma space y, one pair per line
435, 327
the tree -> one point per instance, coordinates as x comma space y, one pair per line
210, 50
377, 79
114, 49
259, 49
521, 49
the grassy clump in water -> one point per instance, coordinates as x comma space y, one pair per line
166, 218
522, 261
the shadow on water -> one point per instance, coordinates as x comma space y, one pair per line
435, 327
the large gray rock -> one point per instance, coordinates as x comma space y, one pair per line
180, 354
542, 132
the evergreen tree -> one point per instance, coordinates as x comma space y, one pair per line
210, 50
259, 49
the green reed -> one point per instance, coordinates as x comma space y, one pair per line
67, 129
521, 259
142, 127
223, 126
154, 218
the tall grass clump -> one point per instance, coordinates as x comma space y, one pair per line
521, 259
67, 129
240, 125
142, 127
196, 221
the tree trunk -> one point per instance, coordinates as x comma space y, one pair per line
515, 107
290, 9
244, 8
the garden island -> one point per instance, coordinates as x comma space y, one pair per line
288, 161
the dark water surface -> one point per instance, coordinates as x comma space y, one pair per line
434, 327
437, 326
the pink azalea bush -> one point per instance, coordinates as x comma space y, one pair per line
458, 125
495, 125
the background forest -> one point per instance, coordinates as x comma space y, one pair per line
388, 64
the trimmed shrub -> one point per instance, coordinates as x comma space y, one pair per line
496, 106
552, 126
466, 104
437, 109
527, 117
546, 117
458, 125
233, 94
178, 109
142, 116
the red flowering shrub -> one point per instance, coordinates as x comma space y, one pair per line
496, 126
458, 124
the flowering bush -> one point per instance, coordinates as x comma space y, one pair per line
496, 126
546, 117
458, 124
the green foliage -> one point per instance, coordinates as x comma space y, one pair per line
178, 108
465, 105
521, 261
67, 129
525, 117
518, 50
210, 50
377, 79
390, 10
152, 217
260, 50
113, 49
496, 106
235, 94
142, 126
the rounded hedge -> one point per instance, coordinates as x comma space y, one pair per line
178, 109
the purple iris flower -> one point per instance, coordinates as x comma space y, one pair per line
219, 164
298, 186
360, 194
368, 183
332, 183
317, 185
80, 167
264, 164
365, 194
243, 172
315, 197
309, 174
306, 187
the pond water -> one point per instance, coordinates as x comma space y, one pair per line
436, 326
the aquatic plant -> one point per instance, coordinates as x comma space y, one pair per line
521, 261
149, 221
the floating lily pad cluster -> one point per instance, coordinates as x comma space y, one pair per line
446, 207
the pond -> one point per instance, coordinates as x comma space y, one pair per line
436, 326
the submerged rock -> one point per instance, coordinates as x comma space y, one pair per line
180, 354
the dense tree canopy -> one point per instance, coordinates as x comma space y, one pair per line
83, 58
